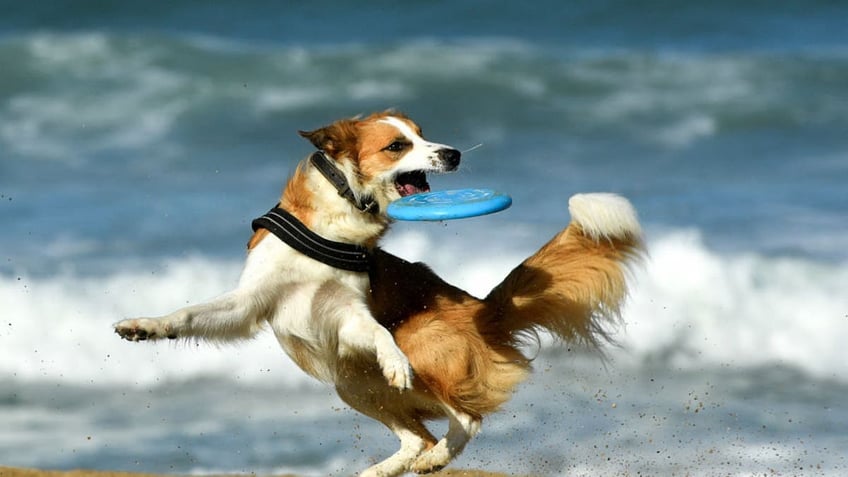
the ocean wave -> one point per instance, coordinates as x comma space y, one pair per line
59, 328
112, 96
694, 307
158, 92
691, 307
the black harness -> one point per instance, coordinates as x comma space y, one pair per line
293, 232
287, 228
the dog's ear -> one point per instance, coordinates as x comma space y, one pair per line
319, 137
335, 138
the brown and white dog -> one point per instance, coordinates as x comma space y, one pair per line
465, 352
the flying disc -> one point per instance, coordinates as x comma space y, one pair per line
448, 204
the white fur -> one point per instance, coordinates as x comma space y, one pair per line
424, 154
604, 215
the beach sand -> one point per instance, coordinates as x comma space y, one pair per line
16, 472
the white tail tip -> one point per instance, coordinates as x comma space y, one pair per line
604, 215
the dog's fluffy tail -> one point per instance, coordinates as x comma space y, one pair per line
575, 285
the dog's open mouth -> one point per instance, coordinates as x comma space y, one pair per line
410, 183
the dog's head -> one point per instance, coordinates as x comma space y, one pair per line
384, 155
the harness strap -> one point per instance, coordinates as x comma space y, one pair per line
290, 230
339, 181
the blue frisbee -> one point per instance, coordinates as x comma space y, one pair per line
448, 204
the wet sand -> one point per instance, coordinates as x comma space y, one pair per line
18, 472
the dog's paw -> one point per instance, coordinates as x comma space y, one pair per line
396, 369
431, 461
141, 329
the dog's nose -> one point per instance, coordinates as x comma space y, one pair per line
450, 158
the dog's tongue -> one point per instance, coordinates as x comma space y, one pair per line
407, 189
410, 183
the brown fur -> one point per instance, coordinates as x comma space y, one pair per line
465, 351
256, 238
297, 198
361, 141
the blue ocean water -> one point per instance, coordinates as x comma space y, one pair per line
137, 141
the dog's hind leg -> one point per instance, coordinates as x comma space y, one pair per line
461, 428
411, 446
362, 387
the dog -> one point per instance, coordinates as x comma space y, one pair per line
336, 201
399, 344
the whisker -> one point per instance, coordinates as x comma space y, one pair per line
472, 148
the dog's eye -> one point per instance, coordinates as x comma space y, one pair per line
396, 146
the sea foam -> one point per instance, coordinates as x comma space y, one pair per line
694, 307
689, 307
59, 328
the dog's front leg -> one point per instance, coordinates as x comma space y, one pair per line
237, 314
359, 332
231, 316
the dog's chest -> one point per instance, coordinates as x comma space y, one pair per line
315, 361
303, 295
